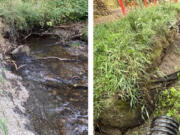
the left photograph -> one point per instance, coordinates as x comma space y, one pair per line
43, 67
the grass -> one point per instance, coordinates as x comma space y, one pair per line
1, 79
3, 126
123, 52
169, 103
28, 15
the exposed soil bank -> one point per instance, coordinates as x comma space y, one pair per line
13, 96
170, 64
49, 95
171, 61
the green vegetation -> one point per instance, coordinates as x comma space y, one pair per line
169, 103
85, 34
3, 126
27, 15
124, 52
1, 79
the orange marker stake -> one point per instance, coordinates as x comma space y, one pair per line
145, 3
122, 7
154, 1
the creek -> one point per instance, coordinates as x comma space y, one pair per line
56, 77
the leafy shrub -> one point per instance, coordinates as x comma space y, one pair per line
169, 103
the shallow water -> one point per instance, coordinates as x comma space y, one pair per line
58, 89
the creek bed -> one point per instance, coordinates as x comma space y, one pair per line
57, 104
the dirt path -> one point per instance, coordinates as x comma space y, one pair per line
115, 14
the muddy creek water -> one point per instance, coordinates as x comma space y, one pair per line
58, 88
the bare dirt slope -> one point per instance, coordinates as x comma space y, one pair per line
13, 95
171, 61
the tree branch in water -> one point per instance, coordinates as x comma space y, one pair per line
53, 57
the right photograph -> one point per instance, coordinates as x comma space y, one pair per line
136, 67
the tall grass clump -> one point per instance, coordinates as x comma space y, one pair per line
123, 52
27, 15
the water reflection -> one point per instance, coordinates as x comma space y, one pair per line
58, 89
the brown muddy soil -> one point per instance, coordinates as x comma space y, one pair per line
12, 95
5, 45
171, 61
114, 15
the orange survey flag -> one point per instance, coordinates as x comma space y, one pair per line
154, 2
122, 7
145, 3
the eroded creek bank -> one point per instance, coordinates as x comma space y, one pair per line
118, 118
54, 78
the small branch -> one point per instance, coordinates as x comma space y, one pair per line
27, 36
45, 34
78, 36
41, 34
53, 57
14, 64
21, 66
59, 43
63, 26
